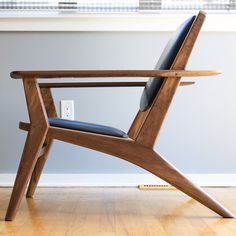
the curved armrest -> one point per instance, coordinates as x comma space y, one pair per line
110, 73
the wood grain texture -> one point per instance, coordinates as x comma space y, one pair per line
137, 124
33, 144
51, 112
92, 84
137, 149
150, 129
111, 73
24, 126
116, 212
187, 83
100, 84
48, 102
146, 158
39, 168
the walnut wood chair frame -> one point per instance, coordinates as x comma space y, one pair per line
137, 148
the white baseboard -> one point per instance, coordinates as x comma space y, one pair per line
118, 180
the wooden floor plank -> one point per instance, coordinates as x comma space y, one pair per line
116, 212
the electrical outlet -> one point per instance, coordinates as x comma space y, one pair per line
67, 109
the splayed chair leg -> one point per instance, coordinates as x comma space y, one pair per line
38, 169
33, 145
172, 175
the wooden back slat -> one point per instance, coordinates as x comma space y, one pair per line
146, 127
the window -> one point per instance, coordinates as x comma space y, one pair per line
101, 6
188, 4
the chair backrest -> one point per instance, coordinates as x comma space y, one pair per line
165, 62
159, 92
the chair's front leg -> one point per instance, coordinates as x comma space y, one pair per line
33, 145
34, 142
51, 112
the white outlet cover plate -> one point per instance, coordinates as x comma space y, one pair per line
67, 109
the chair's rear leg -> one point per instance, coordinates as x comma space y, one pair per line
161, 168
38, 169
33, 145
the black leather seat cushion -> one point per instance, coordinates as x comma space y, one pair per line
87, 127
166, 60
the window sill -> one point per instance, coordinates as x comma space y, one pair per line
13, 21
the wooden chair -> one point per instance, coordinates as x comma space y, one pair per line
137, 145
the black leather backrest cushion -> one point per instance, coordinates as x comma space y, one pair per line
165, 62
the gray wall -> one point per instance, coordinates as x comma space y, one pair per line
200, 131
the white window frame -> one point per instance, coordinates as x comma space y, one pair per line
110, 22
158, 22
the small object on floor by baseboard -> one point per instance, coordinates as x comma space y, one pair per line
155, 187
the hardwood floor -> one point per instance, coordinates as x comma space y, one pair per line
116, 212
